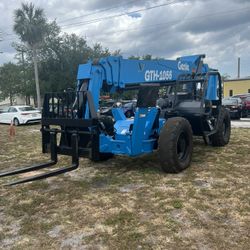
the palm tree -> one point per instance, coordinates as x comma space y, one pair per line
31, 26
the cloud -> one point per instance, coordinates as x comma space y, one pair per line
219, 29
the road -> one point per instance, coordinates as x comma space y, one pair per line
242, 123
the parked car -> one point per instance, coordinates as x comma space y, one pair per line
129, 109
245, 98
241, 95
234, 105
246, 105
20, 115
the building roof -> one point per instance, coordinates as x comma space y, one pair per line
237, 79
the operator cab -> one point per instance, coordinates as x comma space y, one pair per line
183, 99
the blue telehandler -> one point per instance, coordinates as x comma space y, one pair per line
176, 100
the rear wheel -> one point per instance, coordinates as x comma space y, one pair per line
16, 122
222, 136
175, 145
105, 156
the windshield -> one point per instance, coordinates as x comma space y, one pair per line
128, 105
28, 108
230, 102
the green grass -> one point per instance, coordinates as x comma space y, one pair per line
177, 204
127, 203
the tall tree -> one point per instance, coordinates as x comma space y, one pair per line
10, 81
59, 59
31, 26
27, 88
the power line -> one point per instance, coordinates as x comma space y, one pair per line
97, 12
10, 36
93, 13
173, 21
5, 34
121, 14
150, 26
89, 14
109, 17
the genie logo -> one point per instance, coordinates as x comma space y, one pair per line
183, 66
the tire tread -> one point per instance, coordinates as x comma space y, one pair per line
167, 144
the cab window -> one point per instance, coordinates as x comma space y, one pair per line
11, 109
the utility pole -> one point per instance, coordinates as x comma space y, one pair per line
24, 78
238, 67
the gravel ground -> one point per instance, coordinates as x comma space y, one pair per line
242, 123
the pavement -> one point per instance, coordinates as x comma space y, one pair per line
242, 123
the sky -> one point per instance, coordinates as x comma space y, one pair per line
162, 28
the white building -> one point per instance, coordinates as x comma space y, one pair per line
17, 101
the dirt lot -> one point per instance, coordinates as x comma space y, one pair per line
128, 203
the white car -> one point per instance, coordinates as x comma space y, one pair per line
20, 115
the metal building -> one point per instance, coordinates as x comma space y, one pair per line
236, 86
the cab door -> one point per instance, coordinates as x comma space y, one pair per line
12, 112
214, 90
4, 116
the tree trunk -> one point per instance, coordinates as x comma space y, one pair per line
11, 99
27, 100
35, 100
37, 80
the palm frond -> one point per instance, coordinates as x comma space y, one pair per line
30, 24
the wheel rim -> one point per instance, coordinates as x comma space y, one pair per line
15, 122
182, 146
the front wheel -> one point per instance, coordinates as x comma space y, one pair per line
16, 122
175, 145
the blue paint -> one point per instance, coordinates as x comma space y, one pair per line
136, 136
211, 93
84, 71
118, 114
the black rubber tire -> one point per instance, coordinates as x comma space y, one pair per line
102, 157
222, 136
105, 156
16, 122
176, 134
109, 129
108, 123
